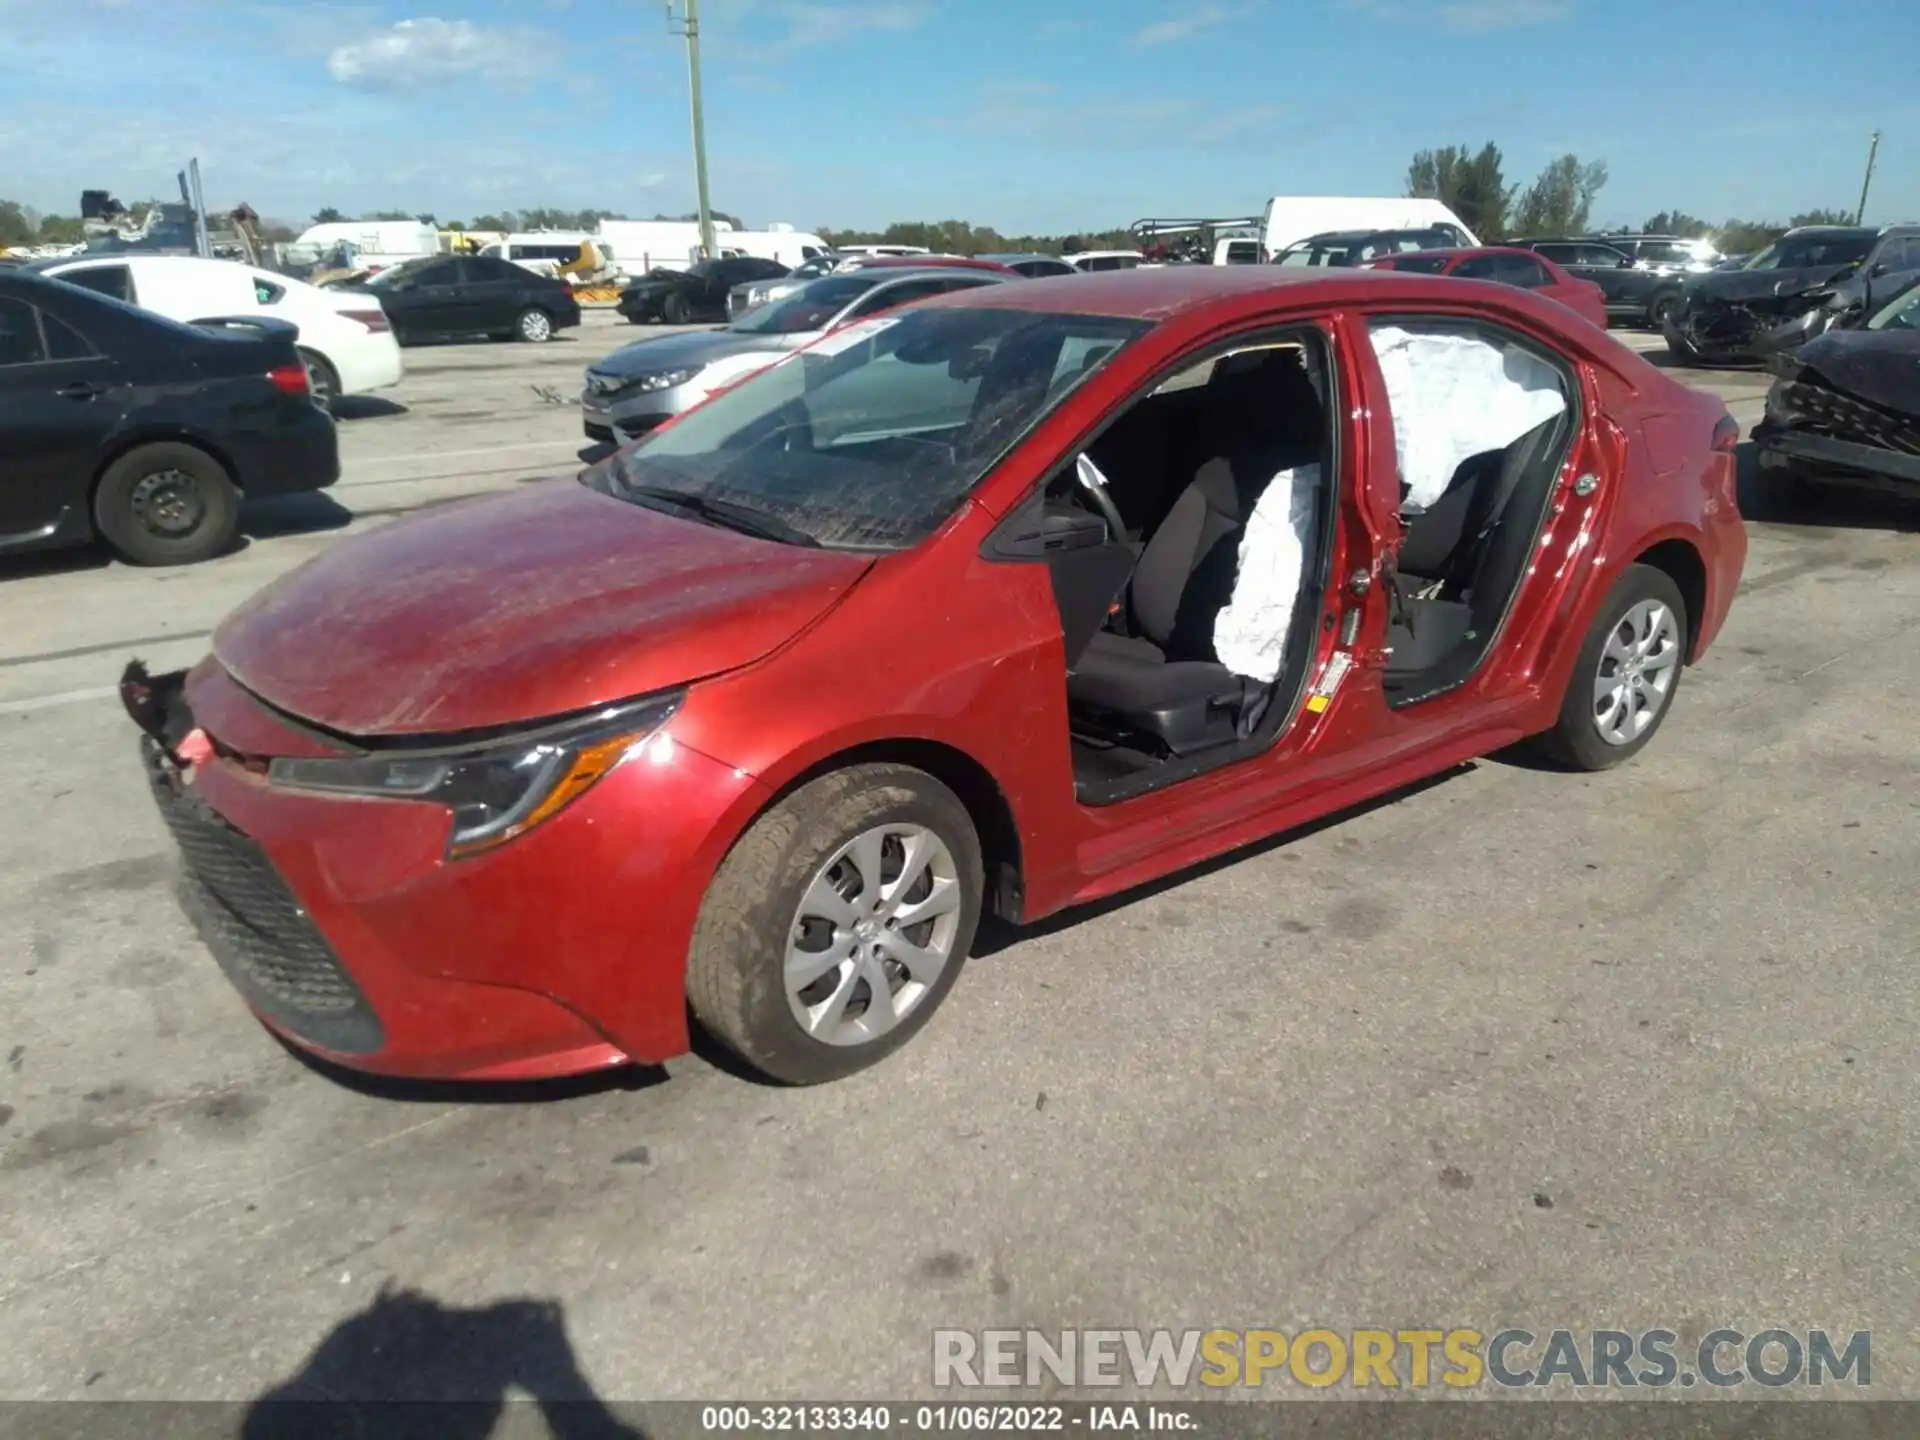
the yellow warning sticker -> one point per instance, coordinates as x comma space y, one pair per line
1317, 703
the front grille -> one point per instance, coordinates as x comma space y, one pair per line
1821, 409
256, 928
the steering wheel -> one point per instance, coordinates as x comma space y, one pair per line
1095, 484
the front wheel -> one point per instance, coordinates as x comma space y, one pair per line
674, 310
167, 504
534, 326
1625, 678
837, 924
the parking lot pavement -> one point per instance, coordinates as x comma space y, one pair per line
1519, 1048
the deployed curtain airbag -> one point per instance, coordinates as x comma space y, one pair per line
1250, 634
1455, 396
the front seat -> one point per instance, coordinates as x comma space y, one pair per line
1262, 416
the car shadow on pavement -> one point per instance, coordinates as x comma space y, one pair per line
366, 407
996, 935
623, 1078
300, 514
408, 1365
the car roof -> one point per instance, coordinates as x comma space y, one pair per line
1461, 252
1158, 293
1003, 256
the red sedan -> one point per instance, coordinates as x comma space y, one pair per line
1506, 266
999, 603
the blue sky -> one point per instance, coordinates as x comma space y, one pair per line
1042, 115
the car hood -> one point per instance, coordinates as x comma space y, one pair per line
693, 349
508, 609
1741, 287
1881, 367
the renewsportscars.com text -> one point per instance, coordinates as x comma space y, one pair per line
1364, 1359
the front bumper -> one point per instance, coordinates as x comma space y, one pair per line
621, 418
346, 930
1784, 448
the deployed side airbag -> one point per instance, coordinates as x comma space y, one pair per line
1455, 396
1250, 633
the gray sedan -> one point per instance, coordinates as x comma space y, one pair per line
642, 385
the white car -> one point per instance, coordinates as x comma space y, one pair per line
345, 338
1096, 260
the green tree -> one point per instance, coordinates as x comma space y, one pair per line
1823, 217
328, 216
389, 215
15, 227
1560, 200
62, 230
1473, 186
506, 221
1676, 222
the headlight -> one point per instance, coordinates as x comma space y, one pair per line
498, 789
667, 379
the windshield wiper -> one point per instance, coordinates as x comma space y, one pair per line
725, 513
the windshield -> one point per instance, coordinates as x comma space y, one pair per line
870, 437
1902, 314
809, 308
1809, 252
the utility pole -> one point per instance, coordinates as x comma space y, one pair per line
688, 24
1860, 215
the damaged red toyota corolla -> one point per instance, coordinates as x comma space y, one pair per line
998, 604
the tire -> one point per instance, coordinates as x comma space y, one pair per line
755, 920
1579, 739
322, 378
674, 310
1659, 308
534, 326
1678, 348
167, 504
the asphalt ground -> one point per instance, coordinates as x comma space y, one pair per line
1517, 1048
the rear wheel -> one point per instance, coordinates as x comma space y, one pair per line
167, 504
1660, 310
322, 379
534, 326
1625, 678
674, 310
837, 924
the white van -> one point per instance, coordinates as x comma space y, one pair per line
792, 248
638, 246
542, 251
1293, 218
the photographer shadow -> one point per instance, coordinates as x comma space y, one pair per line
410, 1366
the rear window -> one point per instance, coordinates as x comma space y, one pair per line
114, 281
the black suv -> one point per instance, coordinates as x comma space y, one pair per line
1743, 315
1640, 275
1343, 248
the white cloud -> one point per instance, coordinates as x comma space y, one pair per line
1184, 27
418, 54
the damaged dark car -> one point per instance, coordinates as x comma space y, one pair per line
1845, 409
1811, 280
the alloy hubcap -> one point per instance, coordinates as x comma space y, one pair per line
535, 327
1636, 673
874, 931
168, 503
